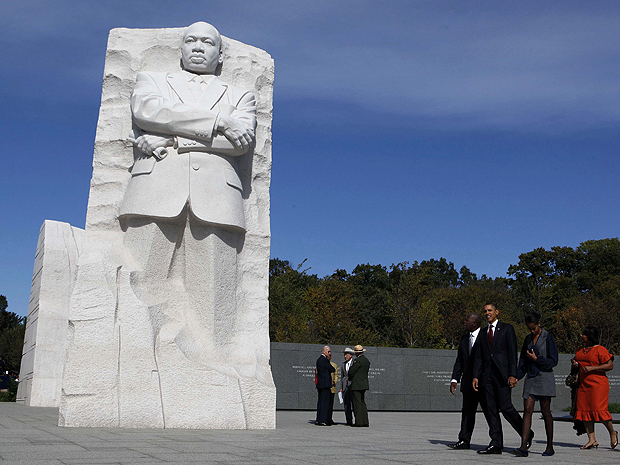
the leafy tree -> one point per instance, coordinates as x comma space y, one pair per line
466, 277
569, 323
289, 316
415, 314
8, 319
562, 281
599, 261
371, 287
439, 273
331, 308
423, 304
544, 280
601, 308
12, 330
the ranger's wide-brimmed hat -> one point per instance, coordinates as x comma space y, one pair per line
359, 348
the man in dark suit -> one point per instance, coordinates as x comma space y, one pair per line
324, 384
463, 372
495, 373
358, 375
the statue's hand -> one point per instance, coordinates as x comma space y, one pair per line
148, 143
237, 132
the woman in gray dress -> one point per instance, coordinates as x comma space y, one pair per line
539, 355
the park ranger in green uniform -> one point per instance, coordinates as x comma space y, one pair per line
358, 375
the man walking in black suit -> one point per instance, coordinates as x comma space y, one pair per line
495, 373
324, 384
358, 375
463, 372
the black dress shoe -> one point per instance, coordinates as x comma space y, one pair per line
321, 424
491, 450
528, 444
459, 445
520, 452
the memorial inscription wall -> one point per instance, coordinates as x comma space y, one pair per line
400, 379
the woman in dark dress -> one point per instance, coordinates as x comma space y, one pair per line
539, 355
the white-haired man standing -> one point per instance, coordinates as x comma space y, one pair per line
324, 383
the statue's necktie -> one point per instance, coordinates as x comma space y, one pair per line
197, 86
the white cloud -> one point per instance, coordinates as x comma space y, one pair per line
553, 68
529, 65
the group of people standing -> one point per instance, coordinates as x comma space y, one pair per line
353, 383
487, 368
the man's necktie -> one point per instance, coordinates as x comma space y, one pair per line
471, 342
491, 336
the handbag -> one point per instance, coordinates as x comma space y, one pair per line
572, 380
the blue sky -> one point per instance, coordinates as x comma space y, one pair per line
403, 130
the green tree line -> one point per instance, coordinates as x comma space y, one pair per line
424, 304
12, 330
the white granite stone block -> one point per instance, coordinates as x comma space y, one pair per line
45, 342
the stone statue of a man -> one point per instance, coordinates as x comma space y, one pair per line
207, 123
183, 208
168, 324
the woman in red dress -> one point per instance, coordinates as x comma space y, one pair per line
593, 390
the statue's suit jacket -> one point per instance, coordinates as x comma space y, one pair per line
201, 170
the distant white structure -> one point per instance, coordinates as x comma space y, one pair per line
45, 342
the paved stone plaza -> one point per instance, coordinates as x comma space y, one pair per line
29, 435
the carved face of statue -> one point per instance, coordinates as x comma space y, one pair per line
201, 50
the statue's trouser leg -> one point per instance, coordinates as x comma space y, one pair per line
187, 276
187, 270
143, 308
